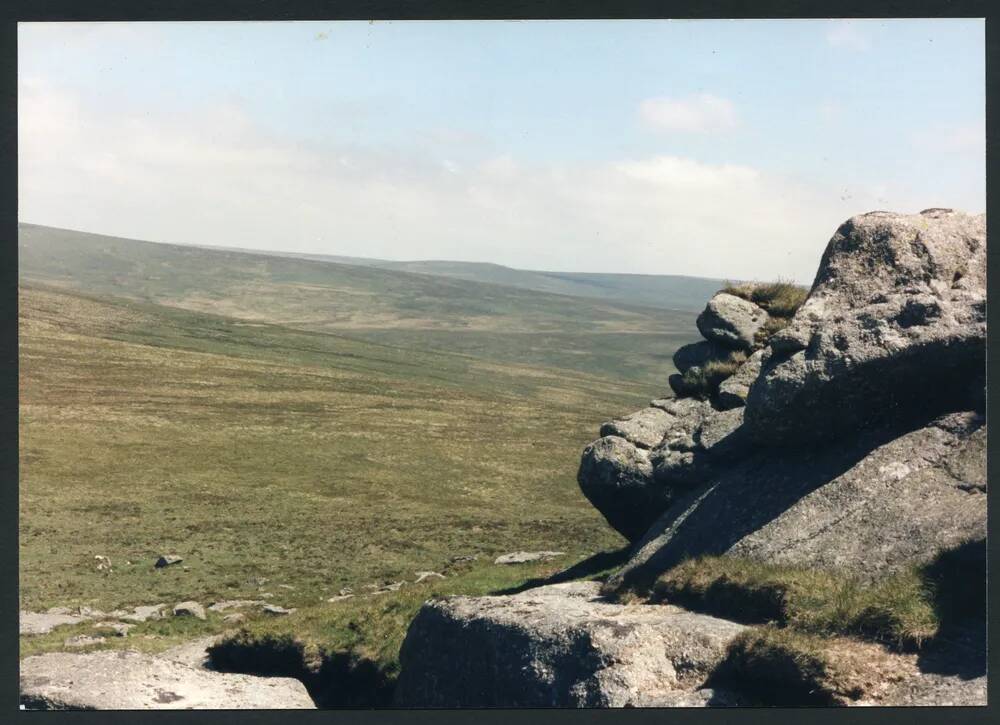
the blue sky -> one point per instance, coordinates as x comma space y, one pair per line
716, 148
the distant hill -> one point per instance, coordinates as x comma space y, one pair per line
663, 291
485, 319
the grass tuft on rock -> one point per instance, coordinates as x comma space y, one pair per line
780, 298
703, 381
899, 610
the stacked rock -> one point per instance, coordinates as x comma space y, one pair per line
892, 331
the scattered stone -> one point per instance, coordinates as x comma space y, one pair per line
167, 560
234, 618
424, 575
267, 595
127, 680
275, 609
524, 557
393, 587
286, 586
556, 646
731, 321
464, 557
339, 598
83, 640
103, 563
189, 609
345, 591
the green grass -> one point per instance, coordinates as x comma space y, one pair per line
899, 610
267, 456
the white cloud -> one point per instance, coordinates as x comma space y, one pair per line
849, 35
703, 113
212, 177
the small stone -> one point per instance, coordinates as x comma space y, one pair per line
287, 586
339, 598
423, 575
464, 557
275, 609
167, 560
345, 591
234, 618
393, 587
267, 595
189, 609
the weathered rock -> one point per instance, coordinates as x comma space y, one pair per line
731, 321
167, 560
126, 680
617, 478
869, 504
189, 609
524, 557
275, 609
644, 428
894, 327
692, 451
556, 646
193, 653
733, 391
697, 354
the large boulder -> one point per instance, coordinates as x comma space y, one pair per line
869, 504
894, 327
560, 645
128, 680
701, 441
731, 321
617, 478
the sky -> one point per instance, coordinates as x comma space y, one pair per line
729, 149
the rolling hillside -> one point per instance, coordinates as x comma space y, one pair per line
421, 311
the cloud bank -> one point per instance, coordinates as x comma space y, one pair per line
211, 176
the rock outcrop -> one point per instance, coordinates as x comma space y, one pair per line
560, 645
128, 680
849, 435
894, 326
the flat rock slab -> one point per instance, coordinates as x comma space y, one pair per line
43, 622
127, 680
560, 645
524, 557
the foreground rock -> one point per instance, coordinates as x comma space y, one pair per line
127, 680
644, 428
617, 478
558, 646
894, 326
868, 505
45, 622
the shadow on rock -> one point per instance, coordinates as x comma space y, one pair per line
958, 579
589, 567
